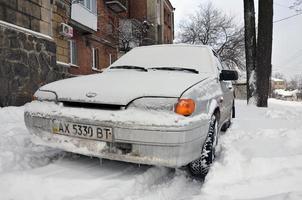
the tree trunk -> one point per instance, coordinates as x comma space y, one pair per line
264, 51
250, 47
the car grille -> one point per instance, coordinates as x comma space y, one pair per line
92, 105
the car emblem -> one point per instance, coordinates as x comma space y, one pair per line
91, 94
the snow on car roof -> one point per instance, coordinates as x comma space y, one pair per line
185, 56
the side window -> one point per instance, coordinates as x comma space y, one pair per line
220, 65
94, 58
72, 52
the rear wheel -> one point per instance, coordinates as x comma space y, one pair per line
201, 166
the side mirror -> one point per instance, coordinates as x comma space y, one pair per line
228, 75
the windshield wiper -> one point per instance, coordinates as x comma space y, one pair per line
176, 69
129, 67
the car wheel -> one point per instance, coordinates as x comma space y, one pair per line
200, 167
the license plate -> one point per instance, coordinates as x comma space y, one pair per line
82, 131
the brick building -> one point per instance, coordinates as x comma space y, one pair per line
46, 40
96, 44
94, 24
159, 14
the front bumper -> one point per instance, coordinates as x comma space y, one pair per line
158, 141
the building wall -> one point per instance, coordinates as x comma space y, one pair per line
155, 33
44, 16
138, 9
60, 12
104, 40
24, 13
278, 85
28, 57
162, 32
168, 23
27, 61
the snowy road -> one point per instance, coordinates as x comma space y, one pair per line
260, 158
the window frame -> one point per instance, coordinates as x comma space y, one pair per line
95, 58
73, 53
92, 5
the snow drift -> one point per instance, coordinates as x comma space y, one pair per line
260, 157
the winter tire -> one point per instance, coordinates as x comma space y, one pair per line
200, 167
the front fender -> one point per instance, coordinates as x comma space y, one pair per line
205, 95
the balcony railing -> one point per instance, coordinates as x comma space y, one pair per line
117, 5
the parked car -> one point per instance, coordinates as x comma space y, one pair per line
159, 105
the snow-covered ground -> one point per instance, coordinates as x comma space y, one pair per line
260, 158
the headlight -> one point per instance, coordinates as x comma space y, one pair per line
43, 95
150, 103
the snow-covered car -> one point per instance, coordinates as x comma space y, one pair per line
159, 105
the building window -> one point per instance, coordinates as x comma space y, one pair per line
72, 52
95, 58
90, 5
110, 26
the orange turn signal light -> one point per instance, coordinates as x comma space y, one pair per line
185, 107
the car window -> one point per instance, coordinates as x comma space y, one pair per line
217, 62
220, 65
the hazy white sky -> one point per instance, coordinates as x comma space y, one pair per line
287, 40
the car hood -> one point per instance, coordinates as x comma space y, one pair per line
119, 87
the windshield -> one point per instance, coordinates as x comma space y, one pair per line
196, 59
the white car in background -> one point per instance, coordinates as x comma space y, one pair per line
159, 105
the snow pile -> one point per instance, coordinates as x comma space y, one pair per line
260, 157
17, 152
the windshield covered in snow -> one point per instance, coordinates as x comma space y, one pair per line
191, 58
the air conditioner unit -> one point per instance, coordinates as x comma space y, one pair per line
66, 30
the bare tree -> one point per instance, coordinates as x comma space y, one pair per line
210, 26
130, 33
279, 76
297, 6
295, 83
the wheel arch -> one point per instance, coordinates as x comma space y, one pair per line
213, 109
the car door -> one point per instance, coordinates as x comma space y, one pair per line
226, 100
